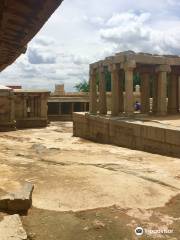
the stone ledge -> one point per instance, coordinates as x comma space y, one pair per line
11, 228
18, 202
137, 134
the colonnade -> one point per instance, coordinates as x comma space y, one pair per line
166, 84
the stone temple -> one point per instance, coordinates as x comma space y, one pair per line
56, 186
160, 99
20, 21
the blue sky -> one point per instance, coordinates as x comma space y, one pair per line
81, 32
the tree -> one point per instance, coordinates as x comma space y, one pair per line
136, 80
82, 86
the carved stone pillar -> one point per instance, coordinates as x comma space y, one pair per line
114, 89
102, 91
162, 71
12, 106
173, 104
93, 91
121, 91
145, 92
155, 92
129, 97
25, 97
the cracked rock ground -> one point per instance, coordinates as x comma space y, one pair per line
85, 190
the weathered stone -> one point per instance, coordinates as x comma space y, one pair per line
163, 68
150, 136
98, 224
11, 228
18, 202
7, 122
93, 92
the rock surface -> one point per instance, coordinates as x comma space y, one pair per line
11, 228
19, 201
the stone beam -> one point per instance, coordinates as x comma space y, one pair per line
145, 69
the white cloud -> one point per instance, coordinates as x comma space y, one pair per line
81, 32
133, 31
35, 57
173, 2
127, 18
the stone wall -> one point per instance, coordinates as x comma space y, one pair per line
128, 133
19, 106
37, 101
5, 108
7, 121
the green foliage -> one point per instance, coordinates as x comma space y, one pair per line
136, 80
82, 87
108, 80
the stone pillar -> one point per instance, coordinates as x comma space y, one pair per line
173, 105
71, 108
102, 91
59, 108
25, 97
39, 106
129, 96
84, 107
162, 71
114, 89
155, 92
12, 106
93, 92
145, 92
121, 91
44, 106
178, 93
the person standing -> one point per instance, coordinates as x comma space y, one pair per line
137, 106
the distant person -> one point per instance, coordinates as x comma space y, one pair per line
137, 106
28, 111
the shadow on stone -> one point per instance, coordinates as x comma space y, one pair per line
18, 202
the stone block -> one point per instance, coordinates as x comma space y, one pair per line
135, 134
172, 136
163, 68
153, 133
98, 131
129, 65
11, 228
17, 202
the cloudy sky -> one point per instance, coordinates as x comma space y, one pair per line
81, 32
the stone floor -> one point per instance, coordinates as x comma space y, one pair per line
84, 190
170, 120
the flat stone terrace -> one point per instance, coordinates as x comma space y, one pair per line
152, 134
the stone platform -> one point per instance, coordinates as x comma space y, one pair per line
7, 126
31, 123
159, 135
